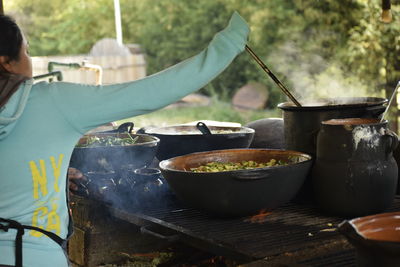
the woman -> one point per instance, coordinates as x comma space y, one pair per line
40, 124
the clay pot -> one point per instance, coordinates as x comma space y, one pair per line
355, 173
376, 239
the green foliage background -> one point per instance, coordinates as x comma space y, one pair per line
317, 48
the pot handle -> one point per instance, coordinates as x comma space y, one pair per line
346, 229
170, 238
394, 141
125, 127
202, 127
141, 130
254, 175
374, 111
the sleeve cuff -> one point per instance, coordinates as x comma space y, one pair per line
237, 30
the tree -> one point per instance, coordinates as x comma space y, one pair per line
374, 51
308, 44
63, 27
374, 47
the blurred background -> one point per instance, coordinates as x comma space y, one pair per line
316, 48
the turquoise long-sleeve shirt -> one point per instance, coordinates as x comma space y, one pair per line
41, 124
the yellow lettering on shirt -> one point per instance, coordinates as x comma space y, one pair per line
56, 170
45, 215
53, 220
39, 178
39, 212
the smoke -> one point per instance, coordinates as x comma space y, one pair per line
110, 177
312, 77
128, 189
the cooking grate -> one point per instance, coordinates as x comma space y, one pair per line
343, 258
289, 228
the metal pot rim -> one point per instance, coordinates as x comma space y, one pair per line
153, 141
354, 122
164, 163
163, 131
339, 102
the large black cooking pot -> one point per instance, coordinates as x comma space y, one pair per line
239, 192
113, 158
301, 124
184, 139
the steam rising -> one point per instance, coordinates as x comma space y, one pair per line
312, 77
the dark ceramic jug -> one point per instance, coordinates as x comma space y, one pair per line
376, 239
355, 173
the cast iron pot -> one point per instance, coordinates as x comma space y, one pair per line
185, 139
113, 158
241, 192
376, 239
301, 124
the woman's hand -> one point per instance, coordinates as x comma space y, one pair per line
75, 177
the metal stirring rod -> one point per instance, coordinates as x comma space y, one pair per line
390, 101
273, 77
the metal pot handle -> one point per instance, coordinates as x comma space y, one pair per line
374, 111
394, 141
202, 127
253, 175
170, 238
141, 130
125, 127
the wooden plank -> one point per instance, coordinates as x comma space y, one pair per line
116, 69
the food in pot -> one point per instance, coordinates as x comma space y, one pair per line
234, 166
190, 131
213, 131
96, 141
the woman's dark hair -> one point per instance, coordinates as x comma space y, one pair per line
10, 46
10, 38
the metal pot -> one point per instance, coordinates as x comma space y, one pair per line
301, 124
184, 139
240, 192
113, 158
141, 188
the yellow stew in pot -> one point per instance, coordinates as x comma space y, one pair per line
234, 166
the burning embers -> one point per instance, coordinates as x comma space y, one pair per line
261, 217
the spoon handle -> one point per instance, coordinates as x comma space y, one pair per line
390, 101
273, 77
